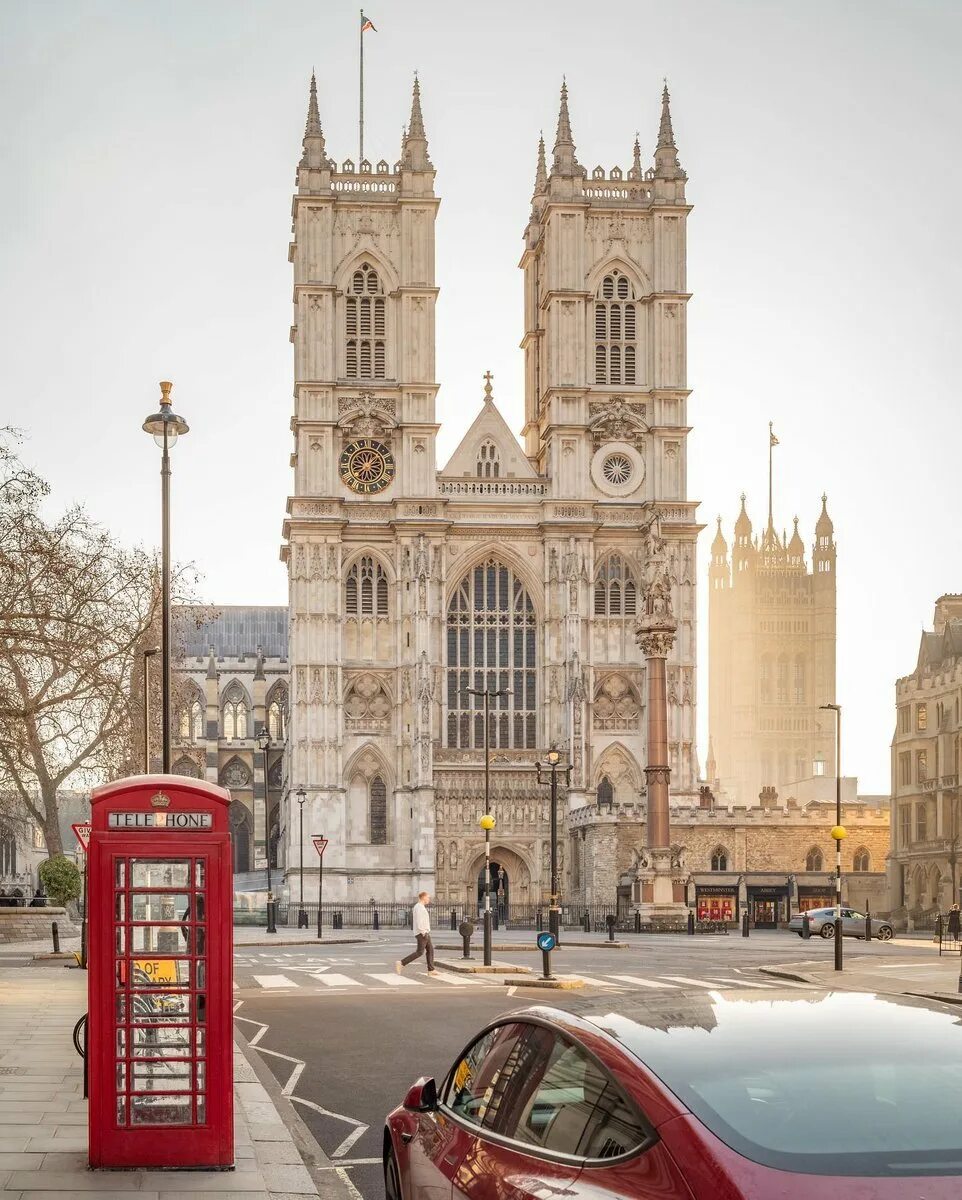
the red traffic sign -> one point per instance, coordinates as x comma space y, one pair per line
320, 844
82, 833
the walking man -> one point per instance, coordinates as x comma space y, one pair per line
422, 931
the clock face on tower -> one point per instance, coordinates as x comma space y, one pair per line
366, 466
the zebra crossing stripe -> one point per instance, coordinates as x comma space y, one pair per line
648, 983
393, 980
744, 983
335, 980
274, 981
695, 982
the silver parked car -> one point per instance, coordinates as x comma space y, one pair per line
822, 922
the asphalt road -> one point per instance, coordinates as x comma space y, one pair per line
364, 1035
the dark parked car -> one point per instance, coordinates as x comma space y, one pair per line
821, 921
720, 1096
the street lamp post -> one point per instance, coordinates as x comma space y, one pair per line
147, 655
165, 427
838, 833
264, 741
553, 758
487, 821
301, 914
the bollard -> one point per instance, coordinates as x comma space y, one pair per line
466, 928
637, 921
495, 920
539, 923
376, 923
55, 930
611, 921
340, 919
868, 924
691, 922
546, 943
745, 924
486, 938
586, 922
454, 919
546, 964
806, 926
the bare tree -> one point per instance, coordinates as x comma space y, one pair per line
76, 610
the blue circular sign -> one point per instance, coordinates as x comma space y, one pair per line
547, 941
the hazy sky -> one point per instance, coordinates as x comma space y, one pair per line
147, 152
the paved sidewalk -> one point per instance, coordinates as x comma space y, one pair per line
43, 1116
928, 976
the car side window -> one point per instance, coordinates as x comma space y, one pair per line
475, 1087
559, 1099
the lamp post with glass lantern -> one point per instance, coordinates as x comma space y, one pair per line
838, 832
487, 821
264, 741
165, 426
301, 914
553, 758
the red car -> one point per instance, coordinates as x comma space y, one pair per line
721, 1096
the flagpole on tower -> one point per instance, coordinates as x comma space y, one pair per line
360, 157
772, 441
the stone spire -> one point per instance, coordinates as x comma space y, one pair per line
414, 154
636, 172
565, 162
315, 152
667, 165
541, 173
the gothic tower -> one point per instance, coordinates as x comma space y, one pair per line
361, 643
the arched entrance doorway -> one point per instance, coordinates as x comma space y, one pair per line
498, 889
241, 833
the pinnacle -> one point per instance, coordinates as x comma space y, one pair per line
563, 136
541, 174
414, 146
313, 126
416, 126
666, 136
636, 159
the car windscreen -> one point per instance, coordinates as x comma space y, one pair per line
837, 1084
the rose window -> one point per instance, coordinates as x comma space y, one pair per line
617, 468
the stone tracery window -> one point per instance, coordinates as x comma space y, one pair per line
616, 705
235, 711
814, 860
606, 793
277, 712
365, 589
615, 591
489, 461
378, 811
860, 860
365, 322
615, 331
8, 852
192, 720
491, 643
719, 859
187, 767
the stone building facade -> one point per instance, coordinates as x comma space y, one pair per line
516, 567
771, 658
236, 667
926, 753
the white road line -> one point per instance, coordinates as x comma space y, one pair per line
274, 981
649, 983
453, 980
349, 1162
337, 981
349, 1141
744, 983
394, 980
591, 982
512, 990
342, 1174
712, 987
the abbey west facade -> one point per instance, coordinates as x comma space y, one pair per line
516, 566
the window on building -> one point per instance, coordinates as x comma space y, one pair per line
235, 712
921, 717
492, 639
606, 793
365, 589
781, 695
921, 765
905, 825
719, 859
192, 720
8, 852
814, 860
799, 682
378, 811
365, 325
489, 461
905, 768
860, 860
905, 718
277, 712
616, 343
921, 822
615, 591
765, 679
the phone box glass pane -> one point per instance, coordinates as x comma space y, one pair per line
149, 1007
160, 873
159, 906
160, 1110
160, 1076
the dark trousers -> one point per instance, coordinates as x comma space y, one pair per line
425, 945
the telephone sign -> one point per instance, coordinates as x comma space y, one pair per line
160, 1028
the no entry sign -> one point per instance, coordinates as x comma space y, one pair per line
320, 844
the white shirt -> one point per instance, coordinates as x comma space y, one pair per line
422, 922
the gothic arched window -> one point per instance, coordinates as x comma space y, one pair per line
489, 461
378, 811
365, 591
606, 793
860, 860
814, 860
615, 592
192, 720
799, 689
8, 852
277, 712
615, 336
235, 712
781, 694
719, 859
365, 323
492, 643
765, 683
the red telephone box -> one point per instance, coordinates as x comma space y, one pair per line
159, 980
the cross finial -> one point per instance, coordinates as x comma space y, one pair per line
487, 386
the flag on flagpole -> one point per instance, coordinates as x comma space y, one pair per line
366, 24
773, 440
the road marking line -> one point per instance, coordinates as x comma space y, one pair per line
587, 979
337, 981
512, 990
274, 981
454, 980
295, 1075
394, 980
649, 983
349, 1141
342, 1174
350, 1162
744, 983
712, 987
